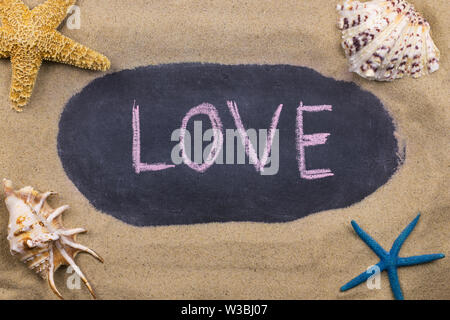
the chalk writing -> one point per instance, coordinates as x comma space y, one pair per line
303, 140
309, 140
248, 146
137, 164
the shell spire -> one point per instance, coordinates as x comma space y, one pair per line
36, 234
386, 40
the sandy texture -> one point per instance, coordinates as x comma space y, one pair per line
305, 259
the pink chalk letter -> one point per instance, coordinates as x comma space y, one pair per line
248, 146
213, 115
308, 140
137, 164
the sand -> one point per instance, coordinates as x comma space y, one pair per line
306, 259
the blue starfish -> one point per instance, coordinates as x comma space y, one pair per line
390, 261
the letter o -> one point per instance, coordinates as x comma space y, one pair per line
213, 115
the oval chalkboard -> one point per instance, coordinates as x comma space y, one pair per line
311, 143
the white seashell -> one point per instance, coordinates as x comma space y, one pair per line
36, 234
385, 40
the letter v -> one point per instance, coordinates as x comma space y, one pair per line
248, 146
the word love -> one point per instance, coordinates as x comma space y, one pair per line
303, 140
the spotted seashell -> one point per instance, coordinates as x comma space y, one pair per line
386, 40
36, 234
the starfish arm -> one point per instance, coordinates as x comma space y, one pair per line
4, 50
4, 54
361, 278
410, 261
51, 13
395, 283
66, 50
12, 11
380, 252
25, 68
402, 237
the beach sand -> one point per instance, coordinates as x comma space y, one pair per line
310, 258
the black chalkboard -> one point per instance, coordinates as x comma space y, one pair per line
101, 127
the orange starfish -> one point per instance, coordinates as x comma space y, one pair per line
29, 36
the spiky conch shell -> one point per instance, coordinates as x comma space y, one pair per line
36, 234
385, 40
